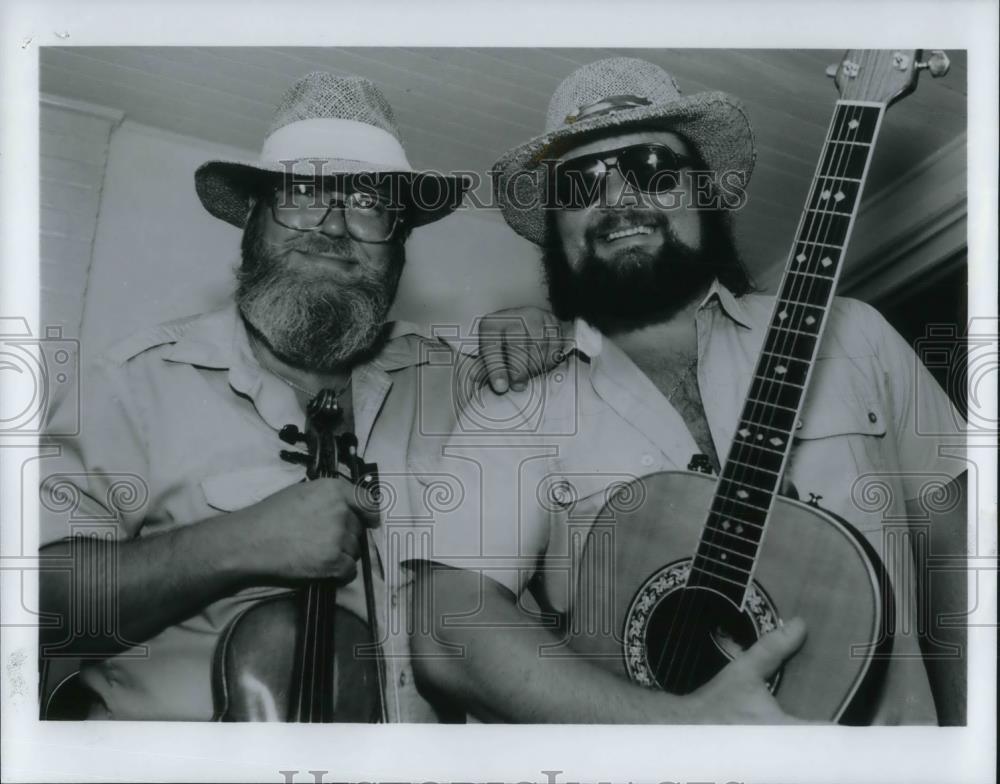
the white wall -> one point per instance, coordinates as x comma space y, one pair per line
73, 150
159, 255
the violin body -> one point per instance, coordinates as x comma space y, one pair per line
256, 665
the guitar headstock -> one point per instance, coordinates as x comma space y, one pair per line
883, 75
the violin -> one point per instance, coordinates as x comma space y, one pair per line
299, 657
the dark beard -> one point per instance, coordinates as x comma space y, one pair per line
633, 289
310, 320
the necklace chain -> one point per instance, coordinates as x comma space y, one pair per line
681, 379
254, 346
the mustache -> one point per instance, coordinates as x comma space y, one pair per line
319, 245
607, 221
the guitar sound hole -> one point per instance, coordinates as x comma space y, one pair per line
692, 634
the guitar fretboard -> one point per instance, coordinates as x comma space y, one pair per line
751, 475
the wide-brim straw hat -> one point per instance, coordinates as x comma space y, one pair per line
619, 93
330, 125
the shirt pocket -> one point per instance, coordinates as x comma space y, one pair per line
841, 433
243, 487
843, 399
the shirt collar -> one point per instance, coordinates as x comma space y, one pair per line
219, 340
734, 307
589, 340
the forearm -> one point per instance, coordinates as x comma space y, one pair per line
144, 584
495, 667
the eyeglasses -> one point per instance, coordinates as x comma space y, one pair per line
368, 214
650, 168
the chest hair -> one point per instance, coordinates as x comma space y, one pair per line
685, 397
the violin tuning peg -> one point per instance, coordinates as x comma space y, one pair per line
299, 458
290, 434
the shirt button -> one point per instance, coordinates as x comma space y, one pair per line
647, 460
394, 599
872, 417
402, 678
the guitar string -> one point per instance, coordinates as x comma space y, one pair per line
793, 292
803, 289
811, 228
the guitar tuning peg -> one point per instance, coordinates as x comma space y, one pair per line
831, 70
937, 64
290, 434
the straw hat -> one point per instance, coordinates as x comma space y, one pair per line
328, 124
619, 93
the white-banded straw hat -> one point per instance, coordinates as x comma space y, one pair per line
328, 124
619, 93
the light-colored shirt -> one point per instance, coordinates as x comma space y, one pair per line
872, 435
179, 424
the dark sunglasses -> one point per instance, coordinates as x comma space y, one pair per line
650, 168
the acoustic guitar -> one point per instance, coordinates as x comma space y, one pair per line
678, 585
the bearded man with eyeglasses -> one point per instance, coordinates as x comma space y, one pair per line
189, 416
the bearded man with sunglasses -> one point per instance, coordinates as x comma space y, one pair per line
665, 329
180, 451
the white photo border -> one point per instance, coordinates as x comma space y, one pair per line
155, 751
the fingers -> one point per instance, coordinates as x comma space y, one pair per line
525, 358
358, 506
350, 542
767, 654
345, 568
518, 344
491, 354
365, 509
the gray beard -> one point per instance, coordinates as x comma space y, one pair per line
309, 320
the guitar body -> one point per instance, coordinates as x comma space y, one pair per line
634, 616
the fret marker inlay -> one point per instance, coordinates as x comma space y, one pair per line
750, 477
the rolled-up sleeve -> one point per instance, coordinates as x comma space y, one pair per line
98, 477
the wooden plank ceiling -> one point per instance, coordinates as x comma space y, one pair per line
460, 108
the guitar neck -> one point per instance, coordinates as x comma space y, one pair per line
751, 475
